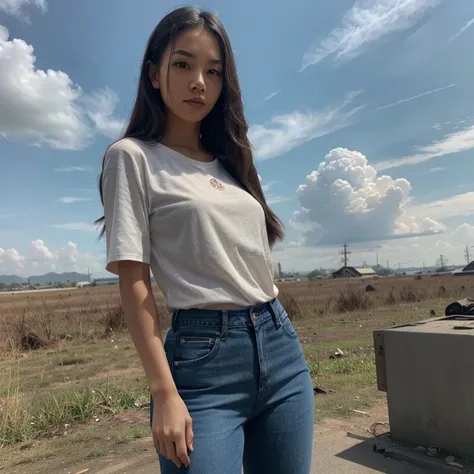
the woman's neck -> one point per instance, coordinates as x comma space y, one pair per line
181, 134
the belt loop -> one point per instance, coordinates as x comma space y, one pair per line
271, 308
225, 324
174, 320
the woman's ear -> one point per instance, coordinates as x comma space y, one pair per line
154, 75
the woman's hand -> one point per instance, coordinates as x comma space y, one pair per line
172, 428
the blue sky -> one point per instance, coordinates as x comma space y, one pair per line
361, 117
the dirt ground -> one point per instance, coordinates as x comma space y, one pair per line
138, 456
84, 351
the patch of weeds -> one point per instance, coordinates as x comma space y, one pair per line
408, 295
352, 301
71, 360
127, 434
24, 418
97, 452
290, 305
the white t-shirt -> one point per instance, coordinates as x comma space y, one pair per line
204, 237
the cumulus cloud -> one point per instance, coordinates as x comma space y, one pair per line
39, 258
345, 200
46, 108
17, 7
452, 143
287, 131
366, 22
11, 260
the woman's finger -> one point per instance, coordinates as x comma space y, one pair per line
189, 434
171, 453
162, 448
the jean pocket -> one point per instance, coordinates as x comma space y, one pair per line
287, 325
195, 350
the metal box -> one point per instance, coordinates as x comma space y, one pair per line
427, 370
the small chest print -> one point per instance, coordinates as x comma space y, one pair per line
217, 184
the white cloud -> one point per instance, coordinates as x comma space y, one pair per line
100, 107
345, 201
39, 259
436, 170
287, 131
459, 205
38, 252
273, 94
16, 7
71, 199
366, 22
70, 169
276, 199
451, 143
46, 108
11, 260
416, 251
466, 232
270, 197
462, 30
409, 99
80, 226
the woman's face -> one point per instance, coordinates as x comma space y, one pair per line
194, 82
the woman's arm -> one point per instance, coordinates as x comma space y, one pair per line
172, 425
144, 325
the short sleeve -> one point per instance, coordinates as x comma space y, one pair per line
125, 208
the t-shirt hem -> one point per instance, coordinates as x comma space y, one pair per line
112, 262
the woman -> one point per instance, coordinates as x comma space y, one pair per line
230, 386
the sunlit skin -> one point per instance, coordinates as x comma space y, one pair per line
195, 84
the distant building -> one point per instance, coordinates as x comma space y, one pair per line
82, 284
469, 268
106, 281
354, 272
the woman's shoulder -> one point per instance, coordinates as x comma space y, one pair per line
128, 146
128, 150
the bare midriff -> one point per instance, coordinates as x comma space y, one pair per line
224, 306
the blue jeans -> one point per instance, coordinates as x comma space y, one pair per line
246, 384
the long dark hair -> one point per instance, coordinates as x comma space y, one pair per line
223, 130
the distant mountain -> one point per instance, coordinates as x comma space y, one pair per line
9, 279
70, 277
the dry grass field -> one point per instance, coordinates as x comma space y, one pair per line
72, 386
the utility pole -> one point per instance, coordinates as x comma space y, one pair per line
344, 253
377, 257
441, 260
466, 254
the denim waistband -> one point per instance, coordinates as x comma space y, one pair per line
226, 319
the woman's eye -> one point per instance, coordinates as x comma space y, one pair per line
181, 64
215, 72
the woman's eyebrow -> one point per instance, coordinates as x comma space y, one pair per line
183, 52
